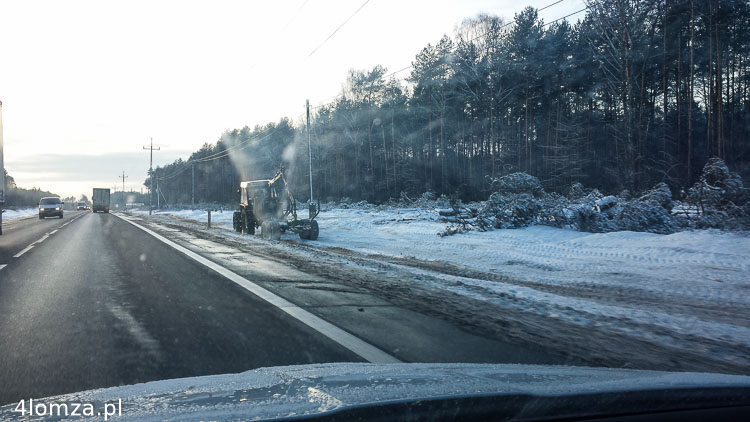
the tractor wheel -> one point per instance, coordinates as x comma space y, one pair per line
236, 218
250, 223
304, 234
312, 234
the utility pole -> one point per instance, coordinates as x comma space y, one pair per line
192, 167
122, 194
309, 149
151, 175
123, 177
158, 192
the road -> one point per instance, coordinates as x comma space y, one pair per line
91, 300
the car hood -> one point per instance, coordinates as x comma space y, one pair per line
329, 389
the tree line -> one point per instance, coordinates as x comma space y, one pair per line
16, 197
635, 93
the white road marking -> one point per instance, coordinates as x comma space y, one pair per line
74, 219
3, 266
363, 349
41, 240
28, 248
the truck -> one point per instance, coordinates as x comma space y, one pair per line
2, 170
100, 200
267, 204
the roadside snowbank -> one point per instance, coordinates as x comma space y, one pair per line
710, 264
24, 212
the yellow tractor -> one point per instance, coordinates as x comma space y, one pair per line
268, 204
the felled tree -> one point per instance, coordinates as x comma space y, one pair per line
720, 197
515, 203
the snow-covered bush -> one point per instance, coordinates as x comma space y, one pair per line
605, 203
717, 185
586, 218
509, 211
600, 214
582, 214
519, 201
554, 211
644, 216
517, 183
516, 202
576, 191
719, 198
363, 205
659, 195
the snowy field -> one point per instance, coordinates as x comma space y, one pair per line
25, 212
693, 285
686, 263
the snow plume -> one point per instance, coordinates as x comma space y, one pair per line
238, 155
294, 159
288, 155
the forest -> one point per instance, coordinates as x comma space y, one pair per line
635, 93
16, 197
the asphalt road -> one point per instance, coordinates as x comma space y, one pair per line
93, 300
100, 303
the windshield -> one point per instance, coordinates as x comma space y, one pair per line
209, 188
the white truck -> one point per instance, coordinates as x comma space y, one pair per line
100, 200
2, 170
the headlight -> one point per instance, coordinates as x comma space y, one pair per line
57, 208
41, 209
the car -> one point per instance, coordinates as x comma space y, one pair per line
81, 206
51, 206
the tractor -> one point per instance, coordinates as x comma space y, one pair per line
267, 204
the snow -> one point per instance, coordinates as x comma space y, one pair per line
691, 284
15, 214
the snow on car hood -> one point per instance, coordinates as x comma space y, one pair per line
281, 392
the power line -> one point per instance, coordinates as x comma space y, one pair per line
226, 152
296, 13
339, 27
177, 172
566, 16
221, 154
550, 5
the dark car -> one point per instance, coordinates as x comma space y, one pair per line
51, 206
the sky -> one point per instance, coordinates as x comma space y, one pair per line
85, 85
